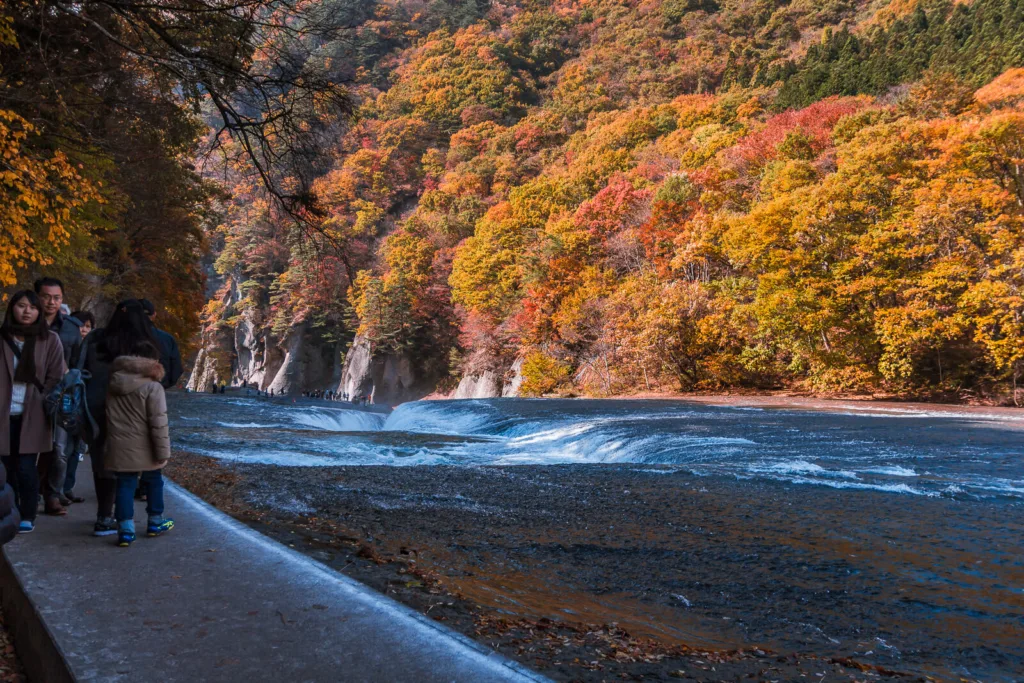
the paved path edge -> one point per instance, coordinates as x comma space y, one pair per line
37, 648
359, 591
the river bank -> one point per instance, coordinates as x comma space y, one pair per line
812, 400
601, 573
443, 554
598, 539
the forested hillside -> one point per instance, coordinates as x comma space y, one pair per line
625, 195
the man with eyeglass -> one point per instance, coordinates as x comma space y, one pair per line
51, 296
53, 465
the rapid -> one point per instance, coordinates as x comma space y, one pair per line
898, 450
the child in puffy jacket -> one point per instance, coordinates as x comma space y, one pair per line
137, 439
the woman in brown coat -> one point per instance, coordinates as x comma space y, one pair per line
32, 364
137, 439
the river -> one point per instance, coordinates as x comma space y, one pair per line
888, 533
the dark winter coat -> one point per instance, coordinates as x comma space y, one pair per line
99, 377
67, 328
170, 358
9, 517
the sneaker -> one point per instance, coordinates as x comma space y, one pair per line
125, 538
73, 498
105, 527
157, 528
26, 527
64, 500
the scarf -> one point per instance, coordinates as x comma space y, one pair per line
26, 371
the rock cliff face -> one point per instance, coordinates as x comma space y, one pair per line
491, 384
240, 348
236, 350
513, 380
486, 384
387, 378
308, 364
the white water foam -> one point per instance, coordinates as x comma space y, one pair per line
355, 457
425, 417
786, 467
554, 435
340, 420
270, 457
879, 411
892, 471
242, 425
592, 443
840, 484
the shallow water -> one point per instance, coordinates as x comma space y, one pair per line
902, 451
890, 534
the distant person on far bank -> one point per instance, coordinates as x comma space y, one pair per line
170, 355
32, 364
137, 439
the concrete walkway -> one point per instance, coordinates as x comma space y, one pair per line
216, 601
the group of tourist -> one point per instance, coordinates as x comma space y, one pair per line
322, 394
330, 395
126, 366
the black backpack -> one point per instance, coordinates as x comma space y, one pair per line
66, 402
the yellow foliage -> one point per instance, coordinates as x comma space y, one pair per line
542, 374
41, 197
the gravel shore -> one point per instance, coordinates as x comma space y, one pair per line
584, 573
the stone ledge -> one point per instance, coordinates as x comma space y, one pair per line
37, 649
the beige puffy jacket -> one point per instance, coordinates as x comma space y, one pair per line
137, 439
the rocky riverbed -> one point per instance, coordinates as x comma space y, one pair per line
599, 573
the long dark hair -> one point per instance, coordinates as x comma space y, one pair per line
36, 329
26, 371
129, 327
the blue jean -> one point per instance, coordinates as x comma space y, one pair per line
71, 473
24, 479
124, 506
22, 474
